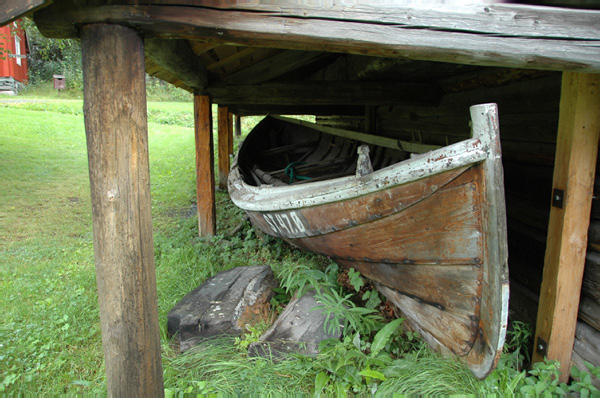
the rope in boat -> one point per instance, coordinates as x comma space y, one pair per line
289, 171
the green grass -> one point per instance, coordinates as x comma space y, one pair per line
50, 340
49, 325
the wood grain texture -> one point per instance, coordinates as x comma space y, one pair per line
508, 19
453, 289
338, 216
444, 228
223, 145
14, 9
177, 57
575, 165
454, 333
205, 175
360, 34
117, 143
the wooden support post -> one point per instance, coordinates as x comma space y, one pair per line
237, 129
224, 134
205, 174
574, 169
117, 144
230, 133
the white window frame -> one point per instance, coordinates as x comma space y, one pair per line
18, 49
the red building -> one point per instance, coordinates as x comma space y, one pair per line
13, 61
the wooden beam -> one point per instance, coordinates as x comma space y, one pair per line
385, 142
512, 19
117, 143
223, 145
232, 58
575, 165
177, 57
273, 67
205, 174
511, 36
14, 9
328, 93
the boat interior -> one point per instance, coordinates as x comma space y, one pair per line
283, 153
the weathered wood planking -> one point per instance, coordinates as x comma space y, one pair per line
500, 19
576, 154
358, 35
117, 143
14, 9
419, 237
587, 348
441, 329
318, 220
205, 175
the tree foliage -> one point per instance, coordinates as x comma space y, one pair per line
49, 57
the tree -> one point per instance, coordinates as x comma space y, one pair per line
48, 57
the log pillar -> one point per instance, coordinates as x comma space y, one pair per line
117, 144
205, 175
224, 146
574, 169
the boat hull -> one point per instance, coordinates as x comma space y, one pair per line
434, 245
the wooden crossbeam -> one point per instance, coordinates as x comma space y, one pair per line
205, 175
177, 57
232, 58
516, 36
574, 170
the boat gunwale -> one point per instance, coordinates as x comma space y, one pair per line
267, 198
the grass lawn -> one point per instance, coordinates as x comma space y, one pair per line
49, 326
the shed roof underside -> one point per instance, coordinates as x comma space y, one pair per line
336, 57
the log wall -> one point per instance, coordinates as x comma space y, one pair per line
528, 107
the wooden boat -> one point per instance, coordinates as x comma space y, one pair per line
429, 229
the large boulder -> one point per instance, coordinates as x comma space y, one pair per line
222, 304
299, 329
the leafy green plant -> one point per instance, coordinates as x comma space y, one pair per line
352, 366
355, 279
519, 339
252, 336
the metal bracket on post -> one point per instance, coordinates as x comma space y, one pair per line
541, 346
558, 198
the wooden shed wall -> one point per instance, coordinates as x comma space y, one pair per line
528, 107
